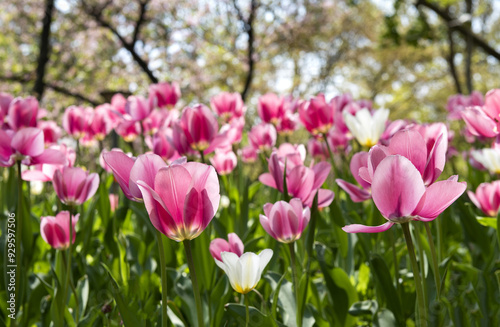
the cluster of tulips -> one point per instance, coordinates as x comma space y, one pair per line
172, 159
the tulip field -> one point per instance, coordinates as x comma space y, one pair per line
315, 211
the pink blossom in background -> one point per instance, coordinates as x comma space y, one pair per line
158, 118
271, 108
292, 154
51, 131
75, 121
55, 230
100, 123
199, 126
22, 112
317, 115
164, 95
487, 198
400, 194
224, 161
128, 130
458, 102
248, 154
137, 108
233, 244
114, 201
228, 105
484, 120
183, 199
74, 186
285, 221
263, 136
162, 144
5, 100
317, 149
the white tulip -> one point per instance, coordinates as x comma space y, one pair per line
366, 128
489, 158
244, 272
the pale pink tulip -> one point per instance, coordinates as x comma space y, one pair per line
44, 172
183, 199
487, 198
74, 186
137, 108
113, 201
284, 221
233, 244
248, 154
224, 161
400, 194
55, 230
128, 130
5, 100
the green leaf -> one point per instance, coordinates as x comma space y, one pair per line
364, 308
488, 221
257, 318
386, 287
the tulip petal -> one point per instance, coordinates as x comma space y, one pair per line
411, 145
355, 193
235, 244
438, 197
145, 168
29, 141
121, 165
357, 228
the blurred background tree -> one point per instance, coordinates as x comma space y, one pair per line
407, 55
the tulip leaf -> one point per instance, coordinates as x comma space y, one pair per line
257, 318
488, 222
386, 287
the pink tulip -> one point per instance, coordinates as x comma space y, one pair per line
458, 102
76, 121
228, 105
293, 154
55, 230
263, 137
284, 221
302, 182
479, 123
74, 186
162, 144
44, 172
233, 244
492, 104
487, 198
5, 100
400, 194
199, 126
128, 130
317, 114
137, 108
317, 149
342, 100
337, 140
164, 95
158, 119
224, 161
22, 113
51, 131
270, 108
117, 109
101, 124
357, 194
27, 146
248, 154
183, 199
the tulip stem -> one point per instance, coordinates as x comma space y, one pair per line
422, 313
435, 265
194, 280
19, 231
68, 262
295, 282
161, 250
202, 157
247, 320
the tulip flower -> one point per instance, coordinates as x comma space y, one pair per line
366, 127
293, 154
158, 119
128, 130
244, 272
51, 131
489, 158
284, 221
182, 200
137, 108
113, 201
317, 115
26, 145
22, 113
357, 194
228, 105
400, 194
55, 230
233, 244
5, 100
224, 161
164, 95
248, 154
162, 144
199, 127
76, 121
484, 120
317, 149
487, 198
302, 182
458, 102
262, 137
74, 186
100, 123
271, 108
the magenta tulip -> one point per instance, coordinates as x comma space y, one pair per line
55, 230
74, 186
317, 149
128, 130
233, 244
183, 199
100, 124
199, 126
76, 121
263, 137
228, 105
271, 108
487, 198
164, 95
400, 194
22, 112
284, 221
317, 114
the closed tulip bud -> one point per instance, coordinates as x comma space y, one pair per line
228, 105
164, 95
487, 198
55, 230
22, 113
263, 137
224, 161
271, 108
284, 221
74, 186
233, 244
137, 108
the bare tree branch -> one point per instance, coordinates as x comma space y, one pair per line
469, 45
56, 88
44, 46
456, 25
96, 13
140, 20
451, 62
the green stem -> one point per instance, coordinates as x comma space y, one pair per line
422, 313
247, 319
202, 157
421, 262
68, 262
295, 281
77, 316
161, 250
437, 277
194, 280
19, 235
